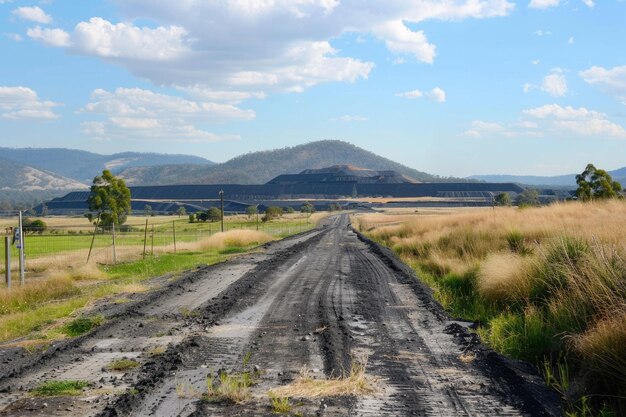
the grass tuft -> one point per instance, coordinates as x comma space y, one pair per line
121, 365
82, 325
280, 405
356, 383
60, 388
233, 388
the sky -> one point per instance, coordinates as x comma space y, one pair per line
449, 87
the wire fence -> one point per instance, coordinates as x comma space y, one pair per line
65, 245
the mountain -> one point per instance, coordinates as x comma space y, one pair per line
260, 167
19, 177
554, 181
82, 166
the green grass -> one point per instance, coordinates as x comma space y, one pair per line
280, 405
58, 240
60, 388
233, 388
81, 325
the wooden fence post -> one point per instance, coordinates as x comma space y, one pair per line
145, 239
114, 251
174, 231
7, 259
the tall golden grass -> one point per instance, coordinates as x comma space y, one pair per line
548, 281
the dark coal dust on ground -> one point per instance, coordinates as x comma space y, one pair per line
270, 330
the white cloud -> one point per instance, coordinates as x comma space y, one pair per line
540, 32
125, 41
143, 114
14, 37
259, 47
528, 87
580, 121
570, 41
612, 81
24, 103
535, 62
436, 94
543, 4
550, 120
34, 14
402, 40
589, 3
51, 37
351, 118
555, 83
481, 129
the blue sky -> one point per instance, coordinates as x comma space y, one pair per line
449, 87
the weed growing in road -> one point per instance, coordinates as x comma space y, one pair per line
60, 388
305, 386
157, 350
280, 405
121, 365
82, 325
234, 388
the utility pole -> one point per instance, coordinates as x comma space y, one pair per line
222, 205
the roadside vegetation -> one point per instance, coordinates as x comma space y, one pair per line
60, 285
546, 285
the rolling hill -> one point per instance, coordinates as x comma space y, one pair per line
554, 181
260, 167
82, 166
19, 177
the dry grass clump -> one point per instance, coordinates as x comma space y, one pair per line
505, 277
603, 352
356, 383
235, 238
21, 298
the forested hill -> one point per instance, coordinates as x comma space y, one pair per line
260, 167
82, 166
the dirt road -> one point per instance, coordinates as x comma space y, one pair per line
314, 302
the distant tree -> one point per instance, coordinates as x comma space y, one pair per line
272, 213
202, 216
148, 210
214, 214
289, 210
109, 199
192, 218
334, 207
181, 211
528, 197
503, 199
251, 211
596, 183
307, 208
34, 226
